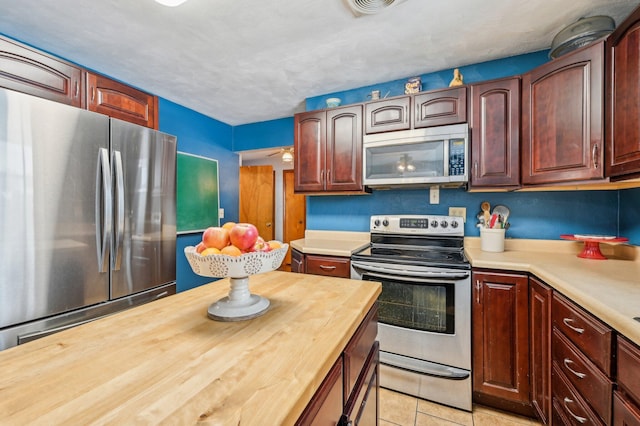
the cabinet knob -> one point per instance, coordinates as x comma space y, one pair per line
578, 418
594, 156
567, 361
568, 321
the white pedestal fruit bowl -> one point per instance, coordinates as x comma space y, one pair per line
240, 304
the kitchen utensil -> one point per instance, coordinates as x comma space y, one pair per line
502, 211
486, 208
493, 222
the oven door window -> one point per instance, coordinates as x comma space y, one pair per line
419, 306
411, 160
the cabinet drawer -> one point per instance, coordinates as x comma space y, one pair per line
629, 368
592, 385
358, 349
569, 403
590, 335
330, 266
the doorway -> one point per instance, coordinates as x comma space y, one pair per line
294, 215
257, 198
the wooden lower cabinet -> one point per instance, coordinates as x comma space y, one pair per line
540, 297
349, 393
500, 326
626, 400
297, 261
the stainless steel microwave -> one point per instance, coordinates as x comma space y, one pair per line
418, 157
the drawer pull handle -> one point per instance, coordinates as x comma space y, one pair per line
567, 361
327, 267
578, 418
566, 322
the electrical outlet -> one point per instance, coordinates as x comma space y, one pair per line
458, 211
434, 195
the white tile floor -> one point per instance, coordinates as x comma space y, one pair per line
397, 409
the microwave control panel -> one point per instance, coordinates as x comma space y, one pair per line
456, 157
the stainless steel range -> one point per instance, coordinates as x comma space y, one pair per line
425, 306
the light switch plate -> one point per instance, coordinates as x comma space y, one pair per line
434, 195
458, 211
221, 213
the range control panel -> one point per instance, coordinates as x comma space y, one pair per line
418, 224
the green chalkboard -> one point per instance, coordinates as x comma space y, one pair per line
197, 193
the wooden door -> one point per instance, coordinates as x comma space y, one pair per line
256, 198
563, 118
344, 149
294, 215
495, 133
501, 341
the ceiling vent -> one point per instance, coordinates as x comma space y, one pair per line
370, 7
581, 33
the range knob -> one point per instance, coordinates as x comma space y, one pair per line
444, 224
376, 222
385, 222
454, 224
434, 223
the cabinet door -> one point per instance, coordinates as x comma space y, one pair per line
540, 296
495, 133
440, 107
501, 341
387, 115
309, 151
344, 149
625, 413
30, 71
623, 98
326, 406
118, 100
361, 408
562, 118
297, 262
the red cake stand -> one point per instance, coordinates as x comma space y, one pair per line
592, 244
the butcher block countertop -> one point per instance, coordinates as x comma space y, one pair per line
609, 289
167, 363
332, 243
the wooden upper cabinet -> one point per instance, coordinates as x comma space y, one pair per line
623, 99
440, 107
495, 133
118, 100
563, 118
328, 150
309, 151
344, 149
387, 115
30, 71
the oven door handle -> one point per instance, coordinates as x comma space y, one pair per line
420, 276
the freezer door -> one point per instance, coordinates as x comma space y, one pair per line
144, 203
49, 157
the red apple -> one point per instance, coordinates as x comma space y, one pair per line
216, 237
243, 235
200, 247
261, 245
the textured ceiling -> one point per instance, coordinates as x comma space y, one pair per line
244, 61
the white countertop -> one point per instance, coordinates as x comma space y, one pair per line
331, 243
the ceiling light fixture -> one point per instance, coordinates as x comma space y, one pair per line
287, 157
171, 3
370, 7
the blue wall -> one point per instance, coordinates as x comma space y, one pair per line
201, 135
630, 215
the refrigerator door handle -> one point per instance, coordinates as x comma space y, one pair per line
118, 238
103, 209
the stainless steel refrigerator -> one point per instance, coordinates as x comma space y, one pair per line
87, 216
